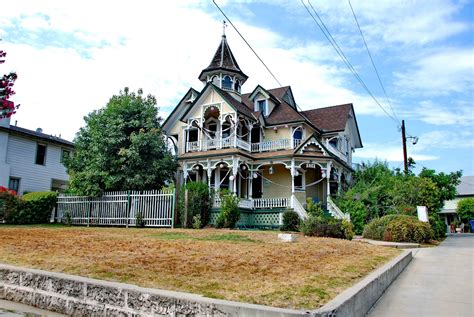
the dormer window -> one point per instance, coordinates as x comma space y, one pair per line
262, 106
227, 83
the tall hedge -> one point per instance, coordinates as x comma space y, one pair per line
199, 203
32, 208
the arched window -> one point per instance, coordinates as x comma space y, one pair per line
237, 86
227, 83
297, 136
215, 80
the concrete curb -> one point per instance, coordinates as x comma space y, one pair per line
359, 299
79, 296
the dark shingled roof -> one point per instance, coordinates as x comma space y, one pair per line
223, 59
329, 118
282, 113
38, 135
239, 106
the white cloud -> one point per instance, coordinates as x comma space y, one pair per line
441, 73
459, 114
391, 153
160, 47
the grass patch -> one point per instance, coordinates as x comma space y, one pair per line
227, 237
171, 236
249, 266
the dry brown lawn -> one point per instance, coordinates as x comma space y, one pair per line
248, 266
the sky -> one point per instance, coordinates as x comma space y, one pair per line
72, 56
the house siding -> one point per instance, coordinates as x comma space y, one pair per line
20, 156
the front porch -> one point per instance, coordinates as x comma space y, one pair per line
268, 188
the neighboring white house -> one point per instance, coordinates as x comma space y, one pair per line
31, 160
465, 189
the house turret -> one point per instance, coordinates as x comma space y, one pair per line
224, 71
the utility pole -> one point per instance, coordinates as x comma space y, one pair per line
404, 142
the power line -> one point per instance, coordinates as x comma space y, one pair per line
341, 54
248, 44
371, 59
268, 69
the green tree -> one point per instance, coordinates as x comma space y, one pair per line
465, 209
121, 147
446, 184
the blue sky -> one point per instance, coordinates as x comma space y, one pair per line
71, 57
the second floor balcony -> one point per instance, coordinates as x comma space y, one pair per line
235, 142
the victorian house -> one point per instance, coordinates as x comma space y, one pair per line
259, 145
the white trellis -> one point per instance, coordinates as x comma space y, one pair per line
119, 208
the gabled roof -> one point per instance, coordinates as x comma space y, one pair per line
466, 187
283, 111
330, 119
191, 91
238, 106
37, 135
223, 59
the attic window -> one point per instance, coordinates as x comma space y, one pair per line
262, 106
334, 142
227, 83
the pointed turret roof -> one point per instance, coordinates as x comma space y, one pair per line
223, 60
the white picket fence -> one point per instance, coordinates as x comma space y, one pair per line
119, 208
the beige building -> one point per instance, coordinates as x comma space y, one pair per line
259, 145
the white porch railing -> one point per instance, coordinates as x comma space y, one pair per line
269, 203
243, 144
298, 208
335, 211
259, 203
192, 146
271, 145
232, 141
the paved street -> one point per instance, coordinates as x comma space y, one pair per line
11, 309
438, 282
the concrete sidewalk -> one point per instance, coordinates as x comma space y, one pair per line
438, 282
11, 309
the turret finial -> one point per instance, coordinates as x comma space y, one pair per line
224, 25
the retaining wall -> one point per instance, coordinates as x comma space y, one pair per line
79, 296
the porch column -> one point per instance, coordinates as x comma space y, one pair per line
235, 168
217, 178
339, 186
250, 182
328, 178
200, 134
209, 174
235, 131
293, 173
185, 173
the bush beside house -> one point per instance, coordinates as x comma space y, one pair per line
230, 212
199, 204
32, 208
465, 209
399, 228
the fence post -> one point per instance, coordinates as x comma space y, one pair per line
89, 213
128, 207
185, 208
173, 206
